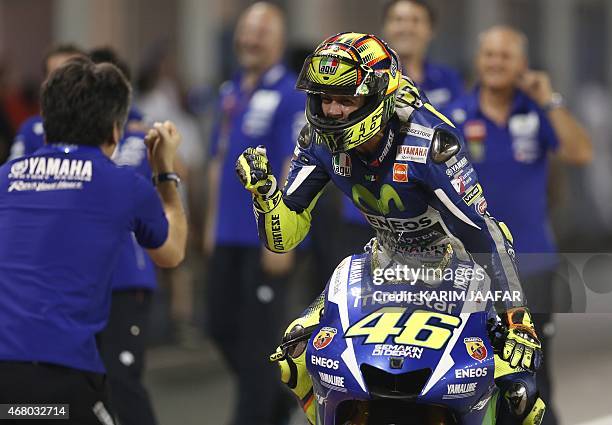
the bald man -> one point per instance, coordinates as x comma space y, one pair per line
513, 122
246, 284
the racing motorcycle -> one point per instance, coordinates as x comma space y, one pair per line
381, 356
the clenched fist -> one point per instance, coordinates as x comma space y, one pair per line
162, 143
255, 173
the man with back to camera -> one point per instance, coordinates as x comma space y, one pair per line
122, 343
512, 121
259, 105
396, 151
408, 27
64, 213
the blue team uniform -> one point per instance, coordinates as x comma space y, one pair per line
29, 137
135, 270
271, 115
511, 162
419, 207
441, 86
64, 211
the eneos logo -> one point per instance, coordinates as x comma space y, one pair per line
324, 337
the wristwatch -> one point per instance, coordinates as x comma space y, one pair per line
556, 101
166, 177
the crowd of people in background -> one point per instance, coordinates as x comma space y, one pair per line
513, 122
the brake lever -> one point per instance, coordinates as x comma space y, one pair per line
497, 335
290, 340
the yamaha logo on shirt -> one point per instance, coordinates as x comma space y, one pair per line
524, 129
342, 164
50, 168
412, 153
261, 111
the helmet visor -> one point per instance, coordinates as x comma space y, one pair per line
337, 75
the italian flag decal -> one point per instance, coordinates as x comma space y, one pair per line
328, 66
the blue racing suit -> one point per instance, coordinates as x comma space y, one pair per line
421, 194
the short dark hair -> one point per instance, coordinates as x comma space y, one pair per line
61, 49
108, 54
81, 102
431, 13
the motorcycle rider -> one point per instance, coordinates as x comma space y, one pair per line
404, 166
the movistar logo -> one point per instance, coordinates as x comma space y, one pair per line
365, 200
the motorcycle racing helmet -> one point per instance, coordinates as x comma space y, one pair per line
351, 64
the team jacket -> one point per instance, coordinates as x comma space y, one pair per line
419, 192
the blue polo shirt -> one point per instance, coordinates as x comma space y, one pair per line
135, 270
271, 115
29, 137
512, 165
64, 213
441, 85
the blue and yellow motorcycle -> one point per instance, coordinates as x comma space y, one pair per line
406, 353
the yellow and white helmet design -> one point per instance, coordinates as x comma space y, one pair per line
357, 65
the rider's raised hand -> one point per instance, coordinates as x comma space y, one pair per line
254, 171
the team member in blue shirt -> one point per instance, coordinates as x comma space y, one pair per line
122, 344
258, 106
65, 212
29, 137
512, 121
408, 27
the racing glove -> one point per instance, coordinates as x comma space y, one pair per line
521, 346
255, 174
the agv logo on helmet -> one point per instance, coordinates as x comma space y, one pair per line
328, 66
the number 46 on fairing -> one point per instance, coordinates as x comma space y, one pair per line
422, 328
